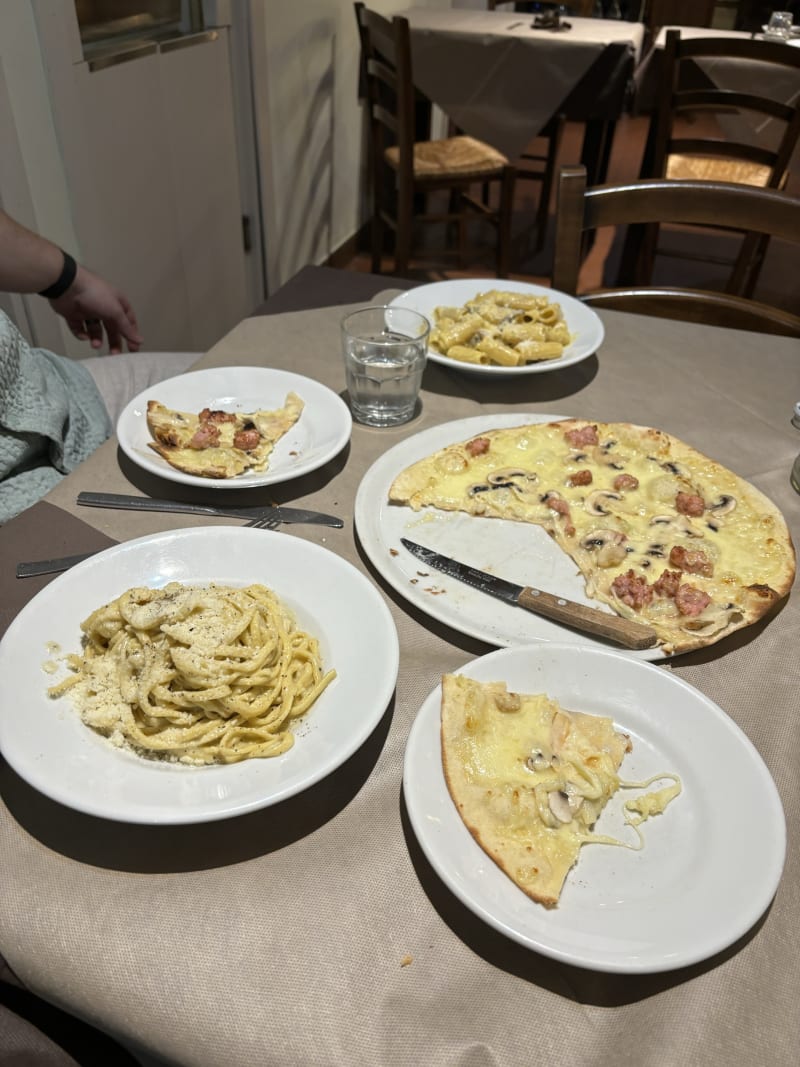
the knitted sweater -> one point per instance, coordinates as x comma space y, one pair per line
51, 418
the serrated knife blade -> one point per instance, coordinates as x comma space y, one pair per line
625, 632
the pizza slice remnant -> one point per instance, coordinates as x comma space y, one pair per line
219, 444
528, 778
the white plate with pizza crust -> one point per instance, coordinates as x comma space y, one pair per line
585, 325
320, 433
48, 745
519, 552
711, 862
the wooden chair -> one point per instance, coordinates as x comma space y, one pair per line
703, 203
540, 166
404, 169
677, 151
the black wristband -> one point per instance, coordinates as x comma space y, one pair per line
65, 279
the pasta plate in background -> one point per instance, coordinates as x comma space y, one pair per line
582, 325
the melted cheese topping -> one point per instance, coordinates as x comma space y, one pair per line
530, 779
532, 474
174, 430
639, 809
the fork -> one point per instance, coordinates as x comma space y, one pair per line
266, 522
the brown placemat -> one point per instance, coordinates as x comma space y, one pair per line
43, 531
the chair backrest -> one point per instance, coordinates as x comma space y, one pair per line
387, 86
702, 203
754, 105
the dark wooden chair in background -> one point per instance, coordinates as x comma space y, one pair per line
703, 203
404, 169
691, 138
540, 166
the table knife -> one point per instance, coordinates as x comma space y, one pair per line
52, 566
625, 632
146, 503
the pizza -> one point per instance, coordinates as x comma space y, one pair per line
660, 532
219, 444
529, 779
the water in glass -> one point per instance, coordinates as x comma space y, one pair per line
385, 349
383, 377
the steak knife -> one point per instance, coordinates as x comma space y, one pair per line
626, 632
147, 503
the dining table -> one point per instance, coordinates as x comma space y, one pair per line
500, 78
317, 930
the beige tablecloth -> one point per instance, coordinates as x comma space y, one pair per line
316, 932
500, 80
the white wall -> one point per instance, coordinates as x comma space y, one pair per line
310, 126
33, 187
309, 131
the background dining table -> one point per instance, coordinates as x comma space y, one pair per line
316, 931
500, 79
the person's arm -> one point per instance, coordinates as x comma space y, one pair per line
89, 304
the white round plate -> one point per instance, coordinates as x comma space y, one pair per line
584, 324
710, 864
46, 743
517, 551
320, 433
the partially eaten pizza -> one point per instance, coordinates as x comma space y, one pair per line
219, 444
660, 532
529, 779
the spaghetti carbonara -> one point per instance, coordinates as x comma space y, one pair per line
504, 329
195, 674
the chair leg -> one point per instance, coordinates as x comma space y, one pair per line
377, 242
542, 217
747, 267
554, 132
462, 228
638, 255
504, 221
402, 237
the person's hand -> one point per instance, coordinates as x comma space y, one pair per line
91, 305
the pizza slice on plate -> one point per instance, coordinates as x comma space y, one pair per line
219, 444
528, 778
660, 532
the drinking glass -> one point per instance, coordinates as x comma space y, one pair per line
385, 350
780, 25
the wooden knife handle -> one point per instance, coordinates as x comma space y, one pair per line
625, 632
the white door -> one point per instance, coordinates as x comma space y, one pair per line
150, 174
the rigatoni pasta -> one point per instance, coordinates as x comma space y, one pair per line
502, 329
